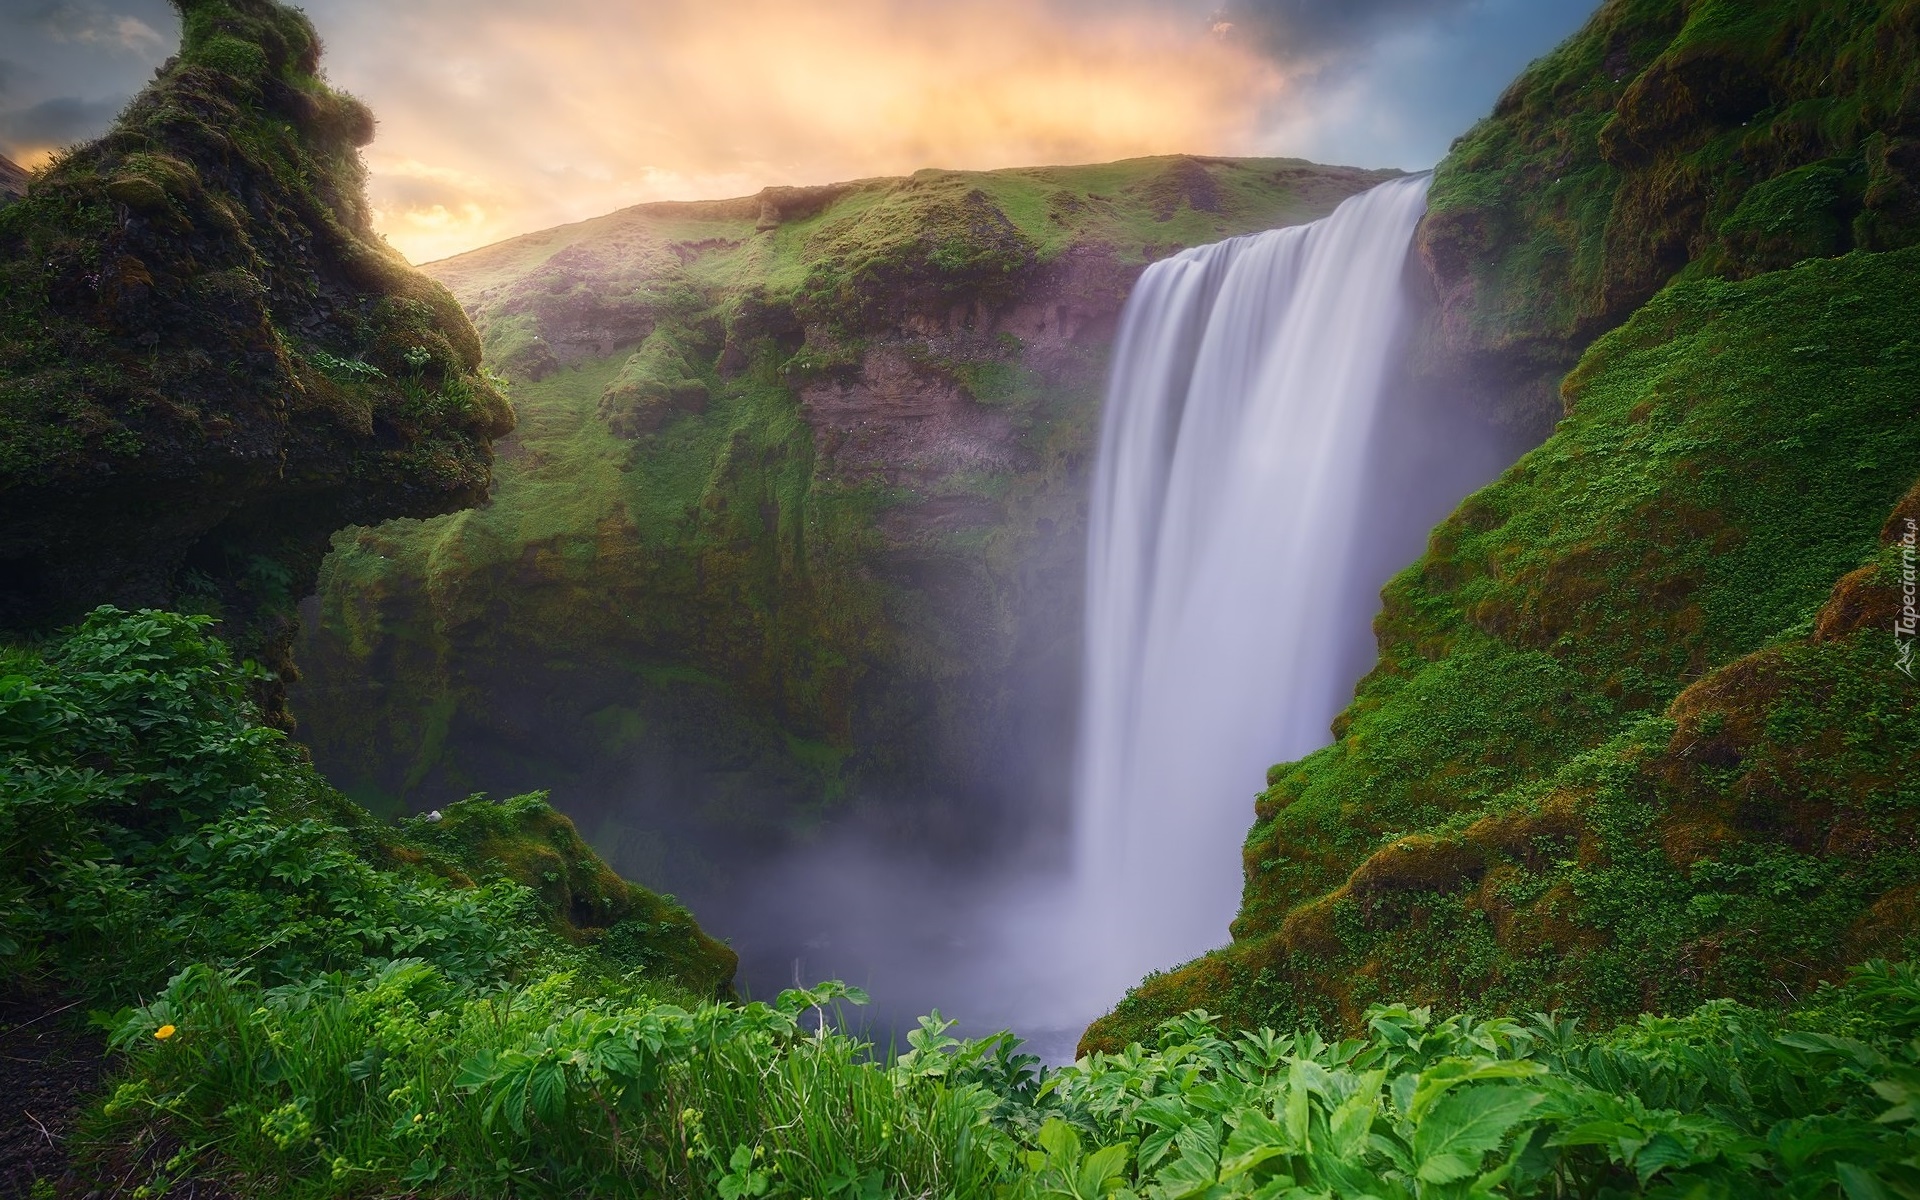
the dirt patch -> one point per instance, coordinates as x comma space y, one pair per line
905, 425
50, 1066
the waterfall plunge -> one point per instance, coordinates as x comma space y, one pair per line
1254, 489
1226, 520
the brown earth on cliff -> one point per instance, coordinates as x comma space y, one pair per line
209, 361
13, 180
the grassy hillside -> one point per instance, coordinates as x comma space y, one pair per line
792, 519
1637, 736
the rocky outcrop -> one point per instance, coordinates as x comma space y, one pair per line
209, 362
801, 536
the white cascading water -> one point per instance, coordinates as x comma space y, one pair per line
1225, 516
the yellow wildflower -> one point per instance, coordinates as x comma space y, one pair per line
163, 1033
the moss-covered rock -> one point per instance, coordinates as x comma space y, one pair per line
208, 359
1623, 685
793, 518
1724, 137
524, 841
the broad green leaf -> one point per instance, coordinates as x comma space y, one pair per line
1350, 1123
1624, 1139
1061, 1142
1101, 1172
1256, 1138
1155, 1147
1860, 1184
548, 1091
1860, 1053
1659, 1154
1298, 1108
1457, 1133
1186, 1176
1438, 1080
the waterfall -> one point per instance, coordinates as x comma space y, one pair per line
1225, 521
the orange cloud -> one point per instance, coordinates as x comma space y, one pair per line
517, 114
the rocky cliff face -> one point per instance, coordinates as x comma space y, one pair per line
13, 180
1639, 734
792, 523
209, 362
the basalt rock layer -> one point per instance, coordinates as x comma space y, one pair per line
792, 523
209, 362
1643, 730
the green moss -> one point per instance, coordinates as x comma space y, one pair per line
653, 386
523, 841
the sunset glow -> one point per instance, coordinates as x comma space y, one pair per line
564, 119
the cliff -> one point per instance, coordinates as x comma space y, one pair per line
209, 361
793, 520
1639, 734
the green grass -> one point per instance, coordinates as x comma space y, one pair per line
1664, 137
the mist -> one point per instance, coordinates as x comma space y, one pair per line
977, 911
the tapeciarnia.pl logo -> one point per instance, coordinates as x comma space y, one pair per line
1905, 624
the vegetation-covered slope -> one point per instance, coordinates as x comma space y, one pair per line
208, 359
793, 516
1716, 137
348, 1015
1629, 744
148, 821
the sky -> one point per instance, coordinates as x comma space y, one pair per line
499, 117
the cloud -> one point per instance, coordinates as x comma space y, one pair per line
92, 23
1320, 31
9, 77
28, 134
534, 113
531, 113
